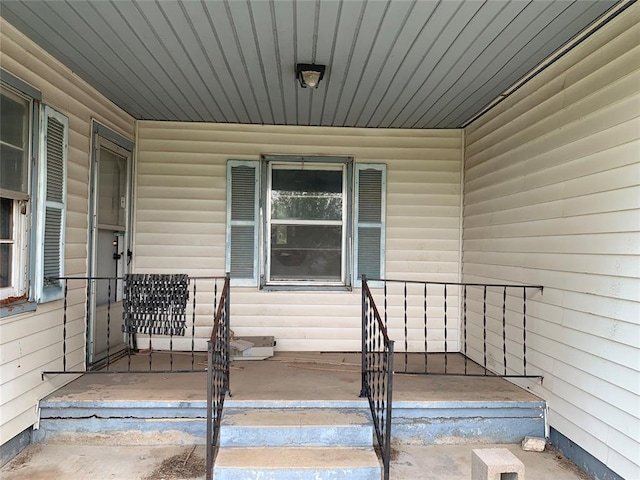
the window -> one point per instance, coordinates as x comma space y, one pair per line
305, 222
15, 192
33, 157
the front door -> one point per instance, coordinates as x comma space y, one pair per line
110, 247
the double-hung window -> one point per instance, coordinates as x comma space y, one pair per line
33, 156
15, 150
307, 222
304, 222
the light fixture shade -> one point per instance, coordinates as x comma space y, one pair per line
309, 75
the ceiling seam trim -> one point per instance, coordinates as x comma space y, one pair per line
557, 55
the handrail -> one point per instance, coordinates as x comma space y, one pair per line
377, 373
217, 374
461, 284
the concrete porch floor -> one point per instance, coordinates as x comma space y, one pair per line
322, 376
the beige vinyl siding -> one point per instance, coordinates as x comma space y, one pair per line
552, 197
180, 217
32, 342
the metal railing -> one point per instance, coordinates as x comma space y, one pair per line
97, 313
217, 375
449, 328
377, 373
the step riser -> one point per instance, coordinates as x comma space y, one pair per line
459, 424
317, 436
296, 444
297, 474
412, 422
121, 431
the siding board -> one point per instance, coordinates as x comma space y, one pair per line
552, 197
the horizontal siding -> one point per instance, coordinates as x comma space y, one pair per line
31, 342
180, 217
552, 197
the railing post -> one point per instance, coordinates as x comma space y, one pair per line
426, 331
108, 323
193, 323
64, 327
446, 348
464, 326
524, 331
227, 316
389, 413
88, 327
209, 442
504, 328
363, 388
406, 331
484, 328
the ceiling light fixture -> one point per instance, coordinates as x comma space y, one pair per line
309, 75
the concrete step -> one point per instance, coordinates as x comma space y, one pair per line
309, 463
121, 422
300, 427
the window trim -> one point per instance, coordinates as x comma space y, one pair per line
347, 222
17, 84
260, 247
21, 288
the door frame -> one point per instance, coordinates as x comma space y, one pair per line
120, 145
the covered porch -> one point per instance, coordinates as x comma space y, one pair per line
472, 147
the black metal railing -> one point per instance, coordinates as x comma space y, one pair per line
449, 328
377, 373
137, 323
217, 375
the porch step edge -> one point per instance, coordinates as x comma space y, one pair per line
296, 427
287, 463
121, 431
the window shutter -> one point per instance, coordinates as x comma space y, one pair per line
51, 204
242, 222
370, 202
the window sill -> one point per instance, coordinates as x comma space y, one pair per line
307, 288
16, 308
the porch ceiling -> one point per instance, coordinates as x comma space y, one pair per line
396, 63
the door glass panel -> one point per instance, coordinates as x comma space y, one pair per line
112, 189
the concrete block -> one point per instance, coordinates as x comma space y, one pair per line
495, 464
533, 444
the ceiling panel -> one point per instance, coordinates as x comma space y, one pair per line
395, 63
